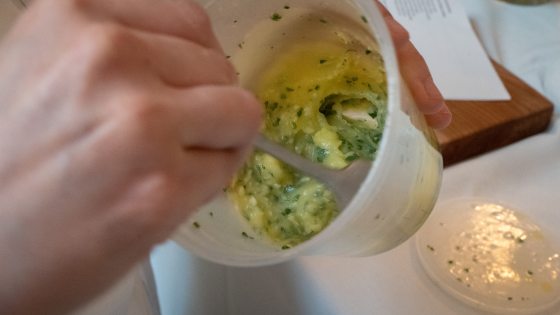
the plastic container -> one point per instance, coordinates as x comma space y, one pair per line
400, 189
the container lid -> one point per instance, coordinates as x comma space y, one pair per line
490, 256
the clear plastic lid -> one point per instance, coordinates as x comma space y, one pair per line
491, 257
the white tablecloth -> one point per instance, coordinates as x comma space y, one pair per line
525, 175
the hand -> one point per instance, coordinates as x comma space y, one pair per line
417, 75
117, 120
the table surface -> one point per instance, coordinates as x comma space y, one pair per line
525, 175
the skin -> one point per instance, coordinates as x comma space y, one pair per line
118, 119
417, 75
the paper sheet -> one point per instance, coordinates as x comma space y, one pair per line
441, 31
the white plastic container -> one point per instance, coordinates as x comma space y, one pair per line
394, 200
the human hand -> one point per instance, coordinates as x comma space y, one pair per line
417, 75
117, 120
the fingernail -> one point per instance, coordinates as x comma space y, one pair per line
441, 119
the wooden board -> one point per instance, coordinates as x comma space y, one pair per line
482, 126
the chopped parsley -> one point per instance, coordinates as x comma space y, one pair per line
276, 17
245, 235
364, 19
196, 225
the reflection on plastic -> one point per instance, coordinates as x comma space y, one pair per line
491, 256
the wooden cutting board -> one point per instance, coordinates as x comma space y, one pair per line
482, 126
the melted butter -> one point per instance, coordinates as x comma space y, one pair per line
324, 93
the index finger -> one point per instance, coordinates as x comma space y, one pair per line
185, 19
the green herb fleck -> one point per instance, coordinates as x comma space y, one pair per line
287, 7
196, 225
284, 247
323, 21
364, 19
317, 87
300, 112
529, 272
321, 154
271, 106
351, 158
240, 45
228, 56
450, 262
211, 213
431, 248
276, 17
286, 211
234, 21
467, 270
368, 51
245, 235
289, 89
322, 61
510, 298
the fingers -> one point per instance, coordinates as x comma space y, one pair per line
398, 33
440, 119
183, 63
207, 172
416, 74
184, 19
217, 117
424, 91
418, 78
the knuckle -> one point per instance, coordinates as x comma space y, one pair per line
79, 5
398, 32
225, 72
140, 111
199, 17
105, 41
